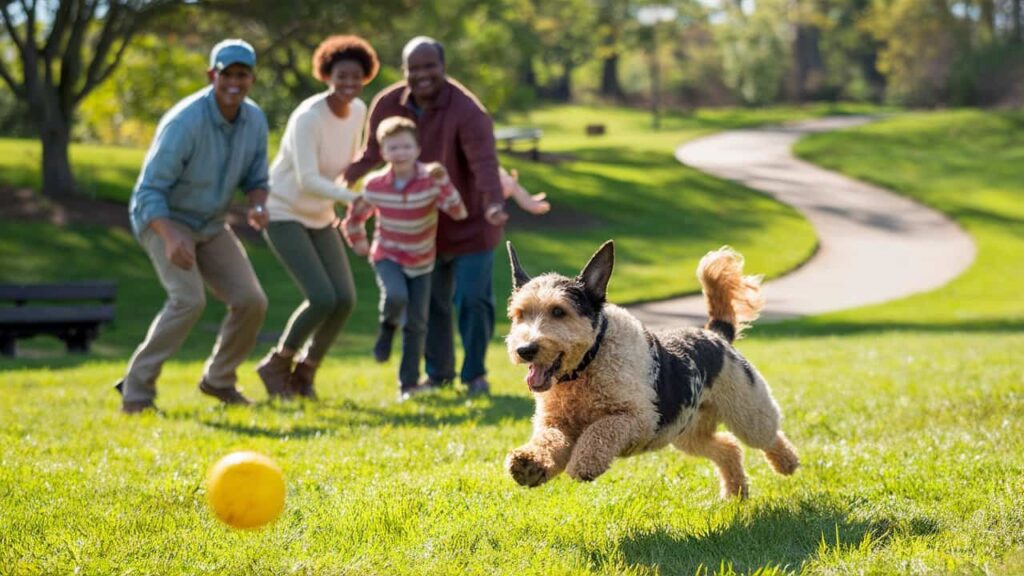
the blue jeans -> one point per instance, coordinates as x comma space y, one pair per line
404, 302
464, 280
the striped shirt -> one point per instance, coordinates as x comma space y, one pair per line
406, 218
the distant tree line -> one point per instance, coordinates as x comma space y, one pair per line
107, 69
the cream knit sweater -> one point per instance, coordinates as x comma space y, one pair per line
316, 148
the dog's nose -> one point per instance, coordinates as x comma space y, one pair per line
528, 352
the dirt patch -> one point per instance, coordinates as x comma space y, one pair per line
560, 217
24, 204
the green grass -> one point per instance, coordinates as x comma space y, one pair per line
907, 416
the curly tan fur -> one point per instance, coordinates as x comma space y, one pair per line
731, 297
605, 387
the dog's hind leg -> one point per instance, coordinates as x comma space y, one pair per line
746, 406
700, 439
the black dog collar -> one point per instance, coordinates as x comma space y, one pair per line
589, 356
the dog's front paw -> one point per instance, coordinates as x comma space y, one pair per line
586, 468
526, 468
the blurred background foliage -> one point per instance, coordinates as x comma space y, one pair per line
516, 54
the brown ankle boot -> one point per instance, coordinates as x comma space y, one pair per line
301, 382
275, 371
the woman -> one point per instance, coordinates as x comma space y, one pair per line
320, 141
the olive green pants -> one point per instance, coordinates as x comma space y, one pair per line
317, 261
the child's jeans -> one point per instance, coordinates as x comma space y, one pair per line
402, 297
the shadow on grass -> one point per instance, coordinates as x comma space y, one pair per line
811, 328
331, 416
773, 538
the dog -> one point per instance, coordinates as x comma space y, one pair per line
607, 387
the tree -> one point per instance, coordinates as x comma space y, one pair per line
65, 50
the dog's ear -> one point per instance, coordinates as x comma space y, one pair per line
519, 277
598, 272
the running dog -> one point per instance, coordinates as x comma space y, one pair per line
605, 386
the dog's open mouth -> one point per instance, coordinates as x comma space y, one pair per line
540, 377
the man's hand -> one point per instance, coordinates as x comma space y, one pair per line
495, 215
257, 215
178, 247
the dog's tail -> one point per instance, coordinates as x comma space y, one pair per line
734, 300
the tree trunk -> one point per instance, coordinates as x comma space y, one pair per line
562, 90
58, 180
810, 66
1018, 22
610, 87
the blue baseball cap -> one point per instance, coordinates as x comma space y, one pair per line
232, 51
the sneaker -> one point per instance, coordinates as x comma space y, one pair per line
382, 348
479, 386
301, 382
230, 396
275, 371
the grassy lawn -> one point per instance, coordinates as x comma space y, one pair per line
907, 415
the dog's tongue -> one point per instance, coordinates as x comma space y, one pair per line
535, 377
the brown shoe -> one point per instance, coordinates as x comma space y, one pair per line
225, 395
275, 371
301, 382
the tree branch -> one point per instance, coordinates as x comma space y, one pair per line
19, 91
97, 71
10, 27
71, 63
60, 26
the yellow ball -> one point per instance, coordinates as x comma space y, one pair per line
245, 490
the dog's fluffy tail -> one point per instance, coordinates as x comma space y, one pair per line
734, 300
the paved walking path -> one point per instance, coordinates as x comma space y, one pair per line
873, 245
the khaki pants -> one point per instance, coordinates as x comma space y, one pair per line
222, 264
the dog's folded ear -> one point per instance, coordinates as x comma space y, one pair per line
598, 272
519, 276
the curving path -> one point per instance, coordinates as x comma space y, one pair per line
873, 245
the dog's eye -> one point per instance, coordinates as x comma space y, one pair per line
558, 312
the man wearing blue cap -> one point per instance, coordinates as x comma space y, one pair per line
207, 146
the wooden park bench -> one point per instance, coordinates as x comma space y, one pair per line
514, 135
71, 311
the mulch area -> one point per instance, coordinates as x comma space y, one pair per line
24, 204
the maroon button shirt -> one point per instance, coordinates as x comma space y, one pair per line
458, 133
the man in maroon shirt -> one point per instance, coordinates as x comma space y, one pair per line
455, 130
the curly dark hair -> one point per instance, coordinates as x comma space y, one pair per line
337, 48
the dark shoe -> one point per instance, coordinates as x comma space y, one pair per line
382, 349
479, 386
275, 371
301, 382
229, 396
138, 407
425, 386
133, 407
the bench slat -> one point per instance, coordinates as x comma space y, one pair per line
503, 134
85, 290
23, 315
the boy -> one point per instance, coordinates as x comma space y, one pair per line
404, 196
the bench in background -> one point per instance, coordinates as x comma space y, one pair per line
514, 135
71, 311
